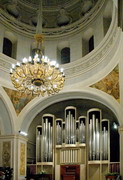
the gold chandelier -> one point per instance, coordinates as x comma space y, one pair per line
37, 76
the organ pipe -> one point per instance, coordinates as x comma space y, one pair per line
59, 131
82, 120
63, 132
45, 148
94, 118
105, 139
70, 121
72, 131
39, 143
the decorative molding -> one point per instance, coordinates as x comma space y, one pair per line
6, 154
22, 159
15, 25
8, 137
90, 62
92, 59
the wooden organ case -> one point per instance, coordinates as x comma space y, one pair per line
74, 148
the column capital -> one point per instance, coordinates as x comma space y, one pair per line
19, 137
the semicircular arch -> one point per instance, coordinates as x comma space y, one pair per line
38, 104
7, 114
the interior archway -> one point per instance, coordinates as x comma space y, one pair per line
82, 105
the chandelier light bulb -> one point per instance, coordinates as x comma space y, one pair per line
57, 65
36, 56
61, 70
53, 63
18, 64
11, 71
30, 59
24, 60
13, 66
46, 59
55, 86
38, 60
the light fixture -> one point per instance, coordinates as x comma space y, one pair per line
38, 75
23, 133
115, 126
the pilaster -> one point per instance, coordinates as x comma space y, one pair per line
13, 149
76, 48
1, 37
98, 30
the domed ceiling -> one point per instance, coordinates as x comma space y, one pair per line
56, 13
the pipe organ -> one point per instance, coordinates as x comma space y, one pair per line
83, 140
59, 131
94, 118
105, 143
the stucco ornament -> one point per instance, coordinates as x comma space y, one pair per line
86, 6
12, 8
63, 18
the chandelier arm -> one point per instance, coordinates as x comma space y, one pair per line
23, 66
30, 71
18, 74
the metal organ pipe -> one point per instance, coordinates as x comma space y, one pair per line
94, 116
97, 140
70, 129
105, 143
94, 137
82, 120
47, 140
39, 144
59, 131
90, 140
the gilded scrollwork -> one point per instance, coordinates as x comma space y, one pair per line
6, 153
22, 159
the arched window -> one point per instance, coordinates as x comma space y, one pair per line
7, 47
65, 55
87, 44
91, 43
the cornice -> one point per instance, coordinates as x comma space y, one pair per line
79, 68
11, 137
98, 55
27, 30
47, 8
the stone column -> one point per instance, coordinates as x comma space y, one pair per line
13, 154
121, 150
121, 103
98, 30
76, 47
1, 38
